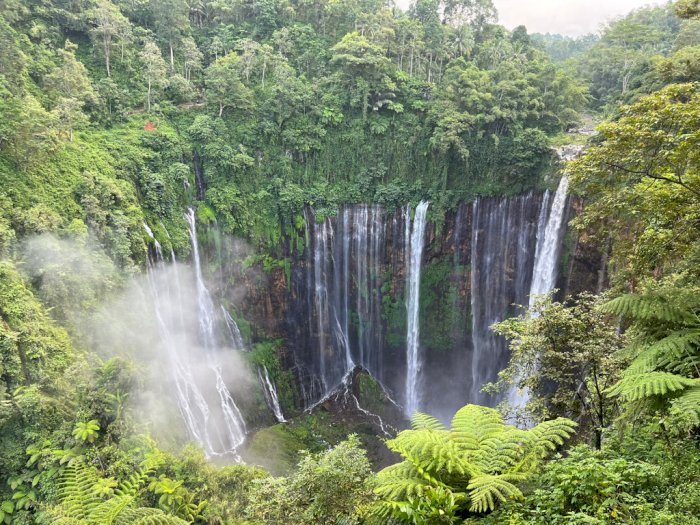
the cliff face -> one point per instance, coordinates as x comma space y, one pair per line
337, 296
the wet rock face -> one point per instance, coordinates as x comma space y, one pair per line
584, 260
341, 301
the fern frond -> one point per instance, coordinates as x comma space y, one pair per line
639, 307
686, 408
421, 421
382, 512
402, 481
134, 483
108, 511
75, 491
667, 352
549, 435
485, 491
473, 425
634, 387
147, 516
500, 453
429, 450
480, 455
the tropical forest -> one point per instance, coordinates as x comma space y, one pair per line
349, 262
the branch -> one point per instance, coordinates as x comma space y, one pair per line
647, 173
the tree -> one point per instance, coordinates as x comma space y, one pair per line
463, 108
69, 112
565, 357
223, 84
70, 87
171, 21
192, 57
331, 487
108, 24
475, 13
473, 465
687, 8
641, 181
154, 69
365, 67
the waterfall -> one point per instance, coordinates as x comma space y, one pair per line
156, 245
270, 394
544, 274
550, 228
368, 239
166, 293
343, 295
228, 420
347, 283
233, 331
414, 260
502, 254
329, 339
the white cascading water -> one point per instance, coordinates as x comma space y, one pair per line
544, 274
270, 392
156, 245
550, 228
321, 261
414, 260
232, 432
166, 296
233, 331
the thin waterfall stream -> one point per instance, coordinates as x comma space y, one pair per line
414, 264
232, 432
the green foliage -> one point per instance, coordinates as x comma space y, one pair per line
665, 370
33, 347
478, 461
562, 348
79, 502
634, 480
641, 184
86, 431
330, 487
687, 8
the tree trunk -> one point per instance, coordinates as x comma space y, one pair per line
172, 57
221, 109
107, 46
148, 98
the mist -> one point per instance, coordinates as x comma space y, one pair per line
195, 382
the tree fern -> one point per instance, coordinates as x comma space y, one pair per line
403, 480
669, 352
81, 504
478, 461
76, 491
421, 421
665, 347
473, 426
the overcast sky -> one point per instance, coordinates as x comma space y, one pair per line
568, 17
